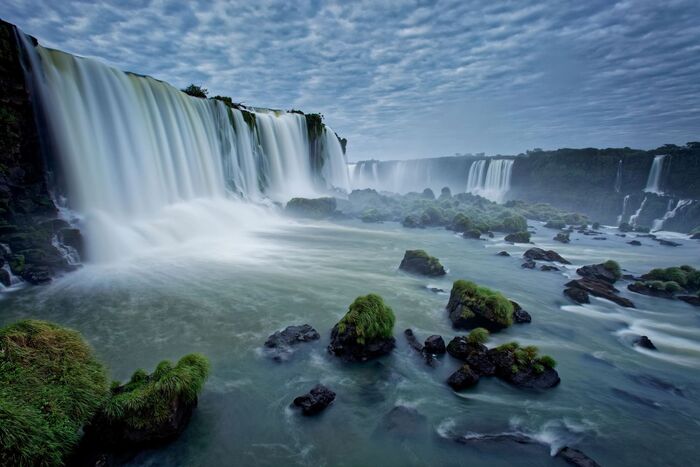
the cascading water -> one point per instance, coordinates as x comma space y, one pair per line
475, 178
137, 155
671, 212
654, 179
618, 177
494, 184
634, 217
625, 202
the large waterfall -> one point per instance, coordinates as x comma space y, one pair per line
654, 179
133, 151
493, 182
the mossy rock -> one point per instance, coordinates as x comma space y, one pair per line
518, 237
472, 306
420, 262
316, 208
50, 386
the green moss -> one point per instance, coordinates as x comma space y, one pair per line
685, 276
370, 317
483, 301
555, 224
518, 237
146, 400
478, 336
50, 385
614, 268
249, 118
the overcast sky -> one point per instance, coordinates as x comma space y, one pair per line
403, 79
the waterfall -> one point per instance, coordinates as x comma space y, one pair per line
494, 184
618, 177
671, 211
133, 151
625, 201
635, 216
657, 167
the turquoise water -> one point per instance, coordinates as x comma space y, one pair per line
223, 300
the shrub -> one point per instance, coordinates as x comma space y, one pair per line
196, 91
514, 224
614, 268
527, 357
478, 336
555, 224
50, 386
672, 287
370, 317
146, 400
461, 223
482, 301
518, 237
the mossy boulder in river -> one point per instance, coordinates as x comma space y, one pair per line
608, 271
420, 262
366, 330
317, 208
473, 306
50, 385
518, 237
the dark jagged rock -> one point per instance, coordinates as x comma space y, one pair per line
634, 243
412, 341
435, 345
645, 288
621, 235
463, 378
576, 458
520, 316
547, 267
502, 253
577, 294
315, 401
280, 343
404, 422
345, 345
690, 299
600, 289
4, 276
603, 271
538, 254
645, 342
528, 264
518, 237
420, 262
524, 374
665, 242
562, 237
436, 290
474, 234
473, 354
695, 236
600, 238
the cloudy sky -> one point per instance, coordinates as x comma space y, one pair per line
405, 79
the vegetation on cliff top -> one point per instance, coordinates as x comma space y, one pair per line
196, 91
370, 318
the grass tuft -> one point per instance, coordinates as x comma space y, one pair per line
371, 318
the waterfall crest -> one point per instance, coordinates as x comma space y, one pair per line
130, 148
490, 178
654, 179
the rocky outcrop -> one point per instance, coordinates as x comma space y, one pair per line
597, 288
435, 345
420, 262
577, 294
690, 299
518, 237
520, 316
502, 253
608, 271
472, 306
562, 237
316, 208
463, 378
280, 345
315, 401
645, 342
473, 354
538, 254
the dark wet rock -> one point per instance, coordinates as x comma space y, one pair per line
412, 341
314, 208
578, 295
547, 267
473, 354
345, 345
474, 234
690, 299
665, 242
420, 262
463, 378
435, 345
657, 383
629, 277
562, 237
600, 289
528, 264
634, 243
404, 422
538, 254
600, 238
5, 278
518, 237
652, 236
695, 236
280, 343
315, 401
576, 458
502, 253
74, 239
630, 397
437, 290
645, 288
621, 235
603, 272
520, 316
644, 342
471, 306
523, 374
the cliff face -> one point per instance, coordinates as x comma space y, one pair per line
28, 217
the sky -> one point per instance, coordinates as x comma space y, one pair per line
406, 79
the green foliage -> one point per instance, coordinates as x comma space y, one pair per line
370, 317
518, 237
50, 385
461, 223
547, 361
555, 224
478, 336
146, 400
527, 357
196, 91
684, 276
513, 223
315, 208
672, 287
483, 301
614, 268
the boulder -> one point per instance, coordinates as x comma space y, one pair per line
647, 288
548, 267
317, 208
315, 401
520, 316
538, 254
281, 342
472, 306
528, 264
562, 237
473, 354
576, 457
475, 234
518, 237
645, 342
577, 294
412, 341
502, 253
600, 289
5, 278
667, 242
608, 271
463, 378
695, 236
634, 243
345, 345
420, 262
435, 345
514, 366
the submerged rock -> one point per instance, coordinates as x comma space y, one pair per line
665, 242
315, 401
463, 378
600, 289
502, 253
404, 422
634, 243
548, 267
539, 254
576, 458
577, 294
645, 342
473, 354
412, 341
562, 237
420, 262
651, 288
280, 343
528, 264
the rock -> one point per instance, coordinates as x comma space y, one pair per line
520, 316
36, 274
345, 345
529, 379
475, 234
600, 272
502, 253
472, 306
473, 354
695, 236
5, 278
435, 345
404, 422
600, 289
690, 299
539, 254
667, 242
644, 289
315, 400
74, 239
645, 342
600, 238
562, 237
463, 378
621, 235
436, 290
280, 343
634, 243
317, 208
420, 262
518, 237
547, 267
412, 341
578, 295
528, 264
576, 457
527, 375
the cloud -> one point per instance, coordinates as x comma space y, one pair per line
414, 78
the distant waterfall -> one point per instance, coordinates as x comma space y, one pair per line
655, 173
618, 177
671, 212
131, 149
492, 183
625, 202
634, 217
